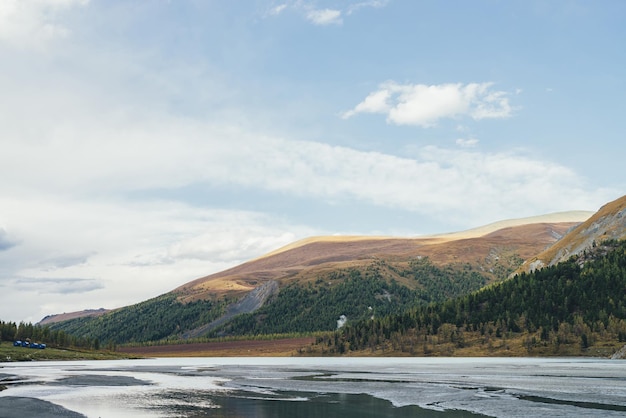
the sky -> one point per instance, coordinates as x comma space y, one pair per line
144, 144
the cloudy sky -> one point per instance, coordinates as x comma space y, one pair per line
144, 144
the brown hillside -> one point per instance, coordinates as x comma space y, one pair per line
484, 248
608, 223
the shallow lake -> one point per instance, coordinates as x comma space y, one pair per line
313, 387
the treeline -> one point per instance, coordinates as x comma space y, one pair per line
579, 301
356, 295
10, 331
155, 319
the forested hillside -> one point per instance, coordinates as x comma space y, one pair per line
578, 303
152, 320
355, 295
297, 308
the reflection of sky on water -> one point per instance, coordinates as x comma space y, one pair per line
176, 387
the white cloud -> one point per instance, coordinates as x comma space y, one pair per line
324, 16
172, 153
492, 105
31, 23
48, 286
376, 102
424, 105
364, 4
275, 11
467, 142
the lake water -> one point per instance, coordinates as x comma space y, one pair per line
328, 387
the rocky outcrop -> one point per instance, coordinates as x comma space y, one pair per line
247, 304
619, 354
609, 223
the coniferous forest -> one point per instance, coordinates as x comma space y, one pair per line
355, 295
577, 303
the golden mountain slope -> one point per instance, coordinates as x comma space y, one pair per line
608, 223
484, 248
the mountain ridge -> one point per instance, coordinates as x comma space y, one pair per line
313, 255
555, 217
608, 223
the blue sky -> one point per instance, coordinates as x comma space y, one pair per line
145, 144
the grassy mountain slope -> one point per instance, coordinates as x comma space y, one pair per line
486, 249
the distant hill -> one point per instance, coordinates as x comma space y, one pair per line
50, 319
308, 285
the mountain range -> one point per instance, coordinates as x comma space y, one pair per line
320, 283
491, 249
